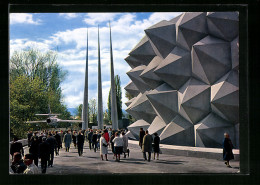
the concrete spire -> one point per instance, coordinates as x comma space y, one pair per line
100, 105
85, 101
114, 116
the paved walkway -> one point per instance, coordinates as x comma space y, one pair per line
90, 163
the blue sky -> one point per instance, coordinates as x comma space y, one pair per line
67, 33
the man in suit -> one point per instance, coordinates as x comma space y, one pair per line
44, 154
16, 147
141, 136
53, 143
80, 143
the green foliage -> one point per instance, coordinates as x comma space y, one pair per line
79, 111
35, 79
92, 105
118, 99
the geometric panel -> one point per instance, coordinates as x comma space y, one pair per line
178, 132
235, 54
225, 97
163, 37
141, 108
130, 135
223, 25
129, 101
211, 59
149, 76
157, 126
134, 76
175, 69
210, 131
132, 61
165, 103
135, 127
143, 51
132, 89
186, 73
191, 27
194, 100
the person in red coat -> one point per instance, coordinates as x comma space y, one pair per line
106, 135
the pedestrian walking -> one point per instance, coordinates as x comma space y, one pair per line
147, 145
67, 141
29, 136
94, 141
112, 143
44, 154
98, 139
141, 137
125, 144
103, 147
34, 148
74, 139
80, 143
53, 143
156, 146
118, 144
59, 143
16, 146
89, 137
227, 150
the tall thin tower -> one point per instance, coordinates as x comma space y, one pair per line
114, 116
85, 101
100, 105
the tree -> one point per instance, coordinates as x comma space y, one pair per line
93, 111
118, 99
27, 96
79, 111
34, 74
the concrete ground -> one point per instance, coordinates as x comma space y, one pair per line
90, 163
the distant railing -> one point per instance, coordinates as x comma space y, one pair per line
23, 141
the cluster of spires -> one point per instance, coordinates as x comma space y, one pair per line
114, 117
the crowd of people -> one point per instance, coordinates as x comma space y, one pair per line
44, 145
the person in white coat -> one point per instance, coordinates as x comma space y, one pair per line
118, 144
103, 147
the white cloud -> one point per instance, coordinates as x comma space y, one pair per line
97, 18
68, 15
22, 44
23, 18
159, 16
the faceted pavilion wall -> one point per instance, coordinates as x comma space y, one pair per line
185, 80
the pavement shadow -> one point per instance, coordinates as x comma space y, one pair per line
93, 157
169, 162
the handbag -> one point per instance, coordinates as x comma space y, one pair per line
104, 145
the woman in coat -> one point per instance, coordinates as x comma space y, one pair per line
227, 149
103, 147
67, 141
147, 145
156, 145
118, 144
